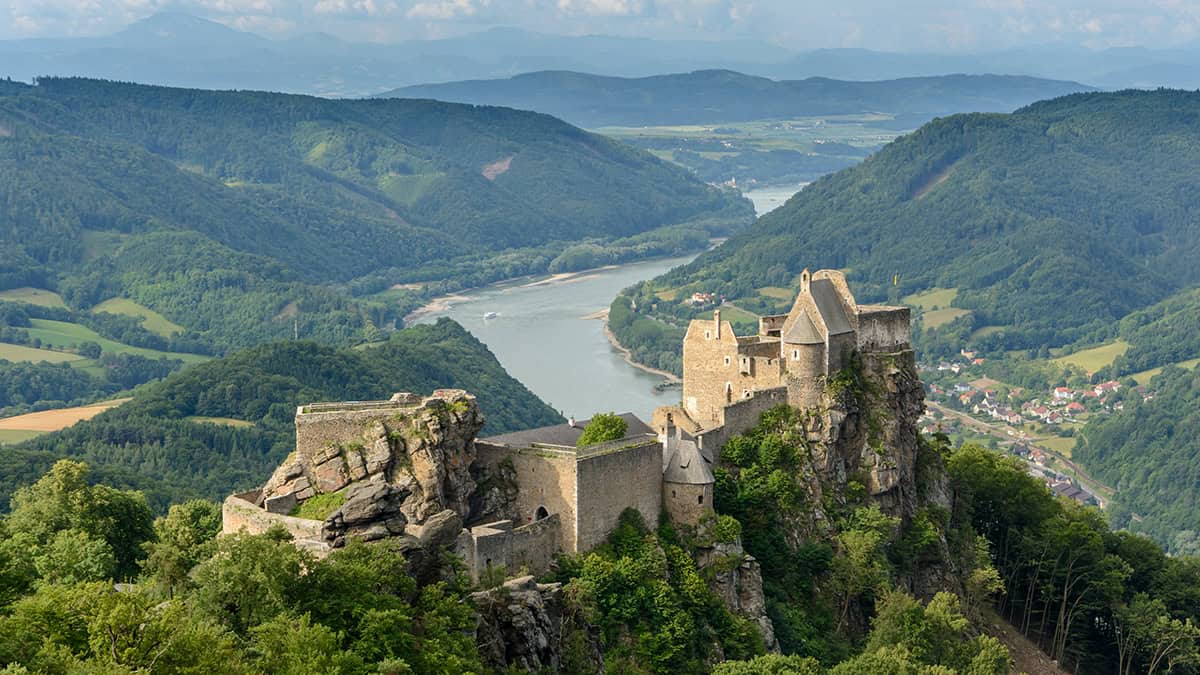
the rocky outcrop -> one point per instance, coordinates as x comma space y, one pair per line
520, 626
496, 491
399, 467
736, 578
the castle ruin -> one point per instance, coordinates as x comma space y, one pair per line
412, 467
729, 380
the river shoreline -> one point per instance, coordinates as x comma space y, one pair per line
626, 354
442, 303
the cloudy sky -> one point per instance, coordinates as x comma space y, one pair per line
897, 25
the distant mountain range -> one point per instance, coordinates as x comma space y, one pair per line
182, 50
725, 96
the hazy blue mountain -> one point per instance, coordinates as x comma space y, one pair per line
726, 96
177, 49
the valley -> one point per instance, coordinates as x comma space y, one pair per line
723, 355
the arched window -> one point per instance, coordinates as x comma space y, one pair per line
542, 513
700, 499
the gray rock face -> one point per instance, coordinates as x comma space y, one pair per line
520, 625
404, 473
427, 450
372, 510
737, 580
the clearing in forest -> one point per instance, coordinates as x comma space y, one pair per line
1095, 358
33, 296
151, 320
19, 353
24, 427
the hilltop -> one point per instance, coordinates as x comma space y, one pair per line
235, 214
720, 96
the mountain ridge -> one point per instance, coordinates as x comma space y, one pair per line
724, 95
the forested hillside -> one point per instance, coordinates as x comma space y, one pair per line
231, 213
1148, 452
225, 424
716, 96
1052, 223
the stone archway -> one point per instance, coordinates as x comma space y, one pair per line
541, 514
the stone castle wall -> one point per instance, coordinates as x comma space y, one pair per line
330, 424
546, 479
687, 503
239, 513
499, 544
805, 374
611, 482
884, 329
706, 348
738, 418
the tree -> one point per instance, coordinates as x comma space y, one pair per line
73, 556
183, 538
250, 579
603, 427
63, 500
296, 646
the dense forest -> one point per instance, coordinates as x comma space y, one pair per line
1148, 453
225, 424
1096, 601
245, 216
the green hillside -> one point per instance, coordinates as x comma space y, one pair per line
235, 214
161, 441
1053, 222
1148, 453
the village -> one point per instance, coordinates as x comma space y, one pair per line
1037, 426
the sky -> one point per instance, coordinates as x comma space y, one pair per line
898, 25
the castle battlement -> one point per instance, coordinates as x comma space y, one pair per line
792, 355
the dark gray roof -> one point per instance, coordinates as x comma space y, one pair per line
564, 434
686, 465
803, 332
825, 294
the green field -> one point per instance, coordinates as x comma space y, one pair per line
940, 317
224, 421
1095, 358
151, 320
13, 436
1058, 444
1145, 376
33, 296
801, 133
63, 335
934, 297
777, 292
985, 331
737, 314
17, 353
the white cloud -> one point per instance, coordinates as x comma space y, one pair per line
443, 10
606, 7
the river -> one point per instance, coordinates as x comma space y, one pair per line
541, 336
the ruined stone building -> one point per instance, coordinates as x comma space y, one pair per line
729, 379
411, 467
